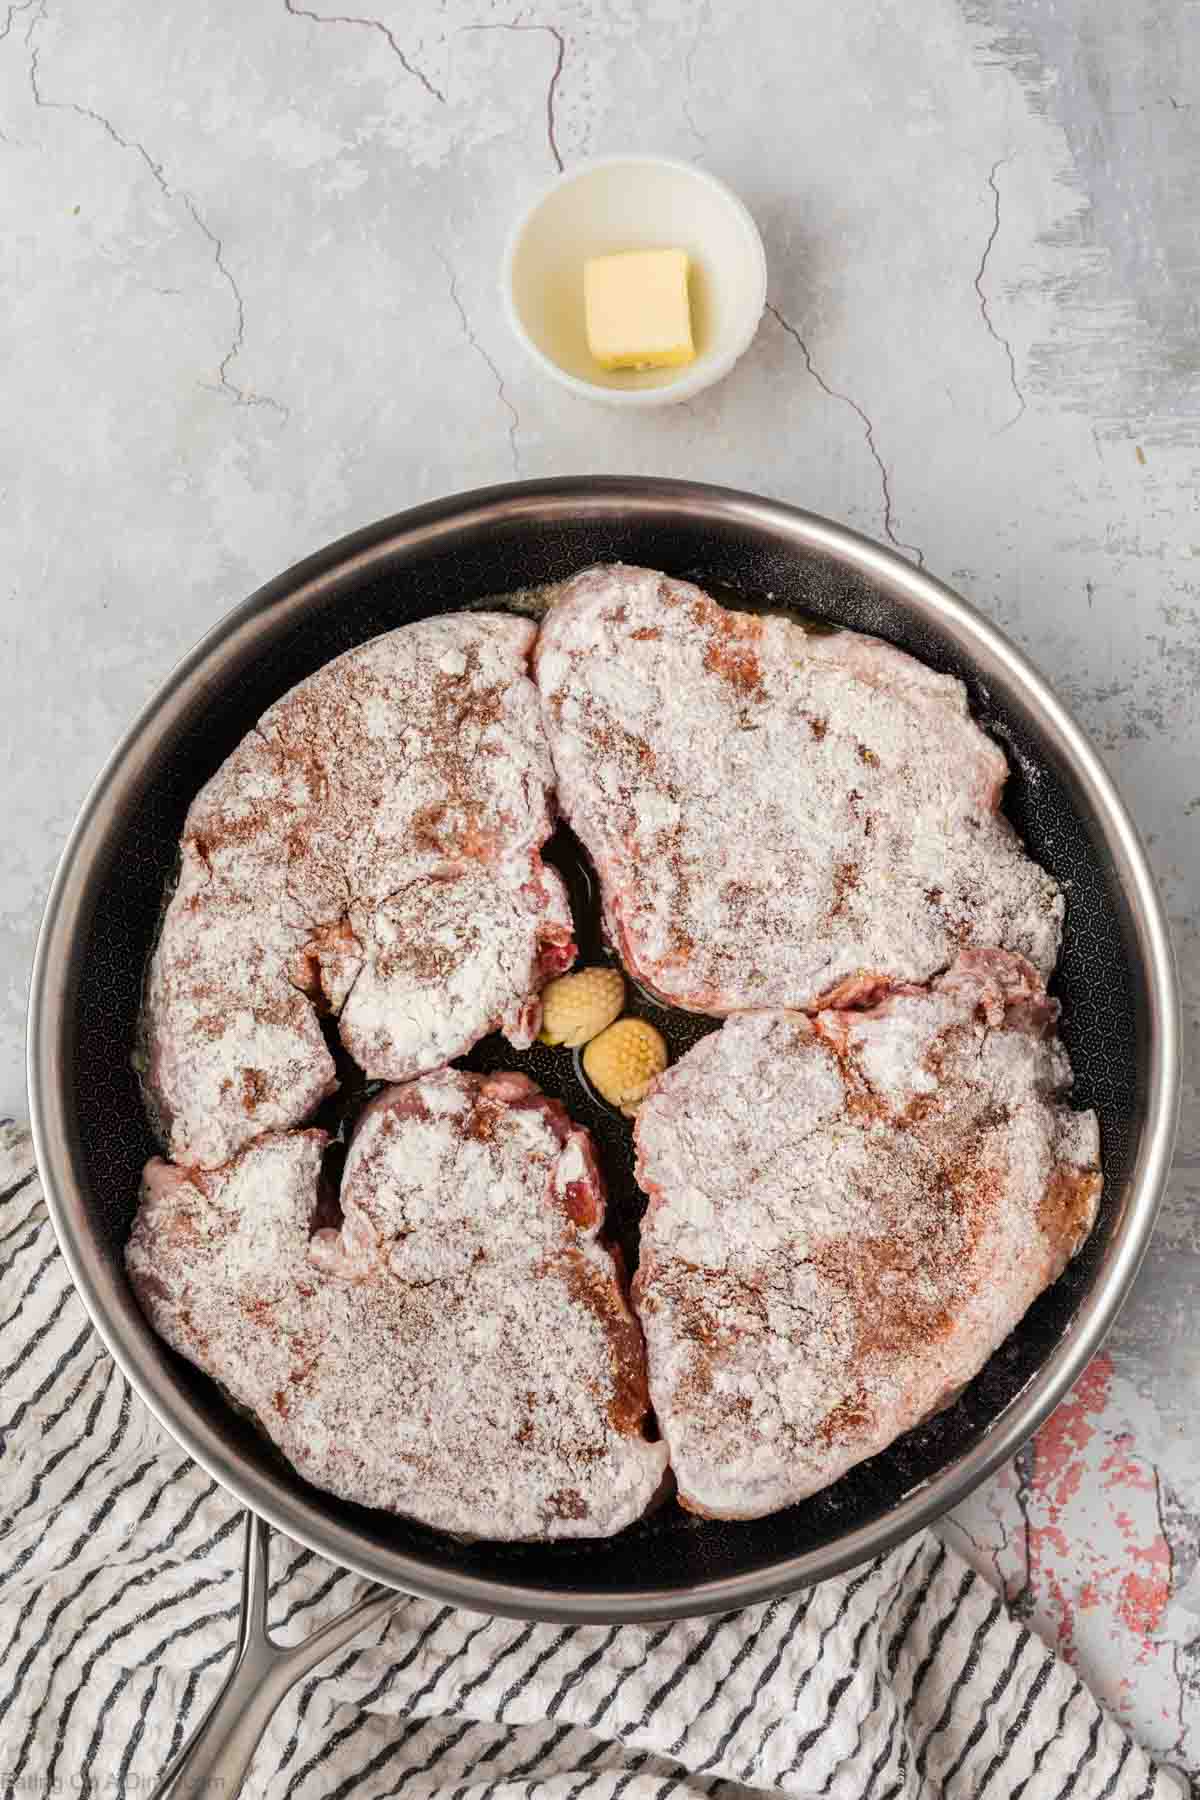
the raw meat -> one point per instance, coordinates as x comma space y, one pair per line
371, 851
778, 818
848, 1214
458, 1349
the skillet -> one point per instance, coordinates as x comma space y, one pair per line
1116, 981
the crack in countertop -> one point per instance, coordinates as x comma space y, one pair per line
1177, 1748
868, 430
689, 71
1021, 1603
993, 1551
983, 303
555, 73
497, 377
240, 396
17, 6
409, 67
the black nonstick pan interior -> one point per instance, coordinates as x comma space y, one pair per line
1103, 1019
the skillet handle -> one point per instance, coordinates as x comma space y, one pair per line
216, 1757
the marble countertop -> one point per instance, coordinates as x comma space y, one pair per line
249, 260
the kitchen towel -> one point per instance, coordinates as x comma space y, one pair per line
120, 1560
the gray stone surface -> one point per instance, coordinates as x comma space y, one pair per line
249, 263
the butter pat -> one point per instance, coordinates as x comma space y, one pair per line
638, 316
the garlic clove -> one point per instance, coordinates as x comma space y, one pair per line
576, 1007
623, 1060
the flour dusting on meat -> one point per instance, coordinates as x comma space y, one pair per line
370, 849
847, 1215
460, 1350
777, 818
848, 1211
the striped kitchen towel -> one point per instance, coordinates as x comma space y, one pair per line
119, 1579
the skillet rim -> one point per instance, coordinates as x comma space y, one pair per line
62, 939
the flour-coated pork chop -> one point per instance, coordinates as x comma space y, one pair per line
778, 818
459, 1349
370, 850
848, 1213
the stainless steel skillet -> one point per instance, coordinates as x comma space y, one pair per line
1116, 981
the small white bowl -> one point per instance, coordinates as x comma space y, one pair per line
634, 203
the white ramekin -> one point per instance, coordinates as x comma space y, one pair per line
633, 202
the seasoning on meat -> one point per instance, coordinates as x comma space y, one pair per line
459, 1349
847, 1215
778, 818
371, 851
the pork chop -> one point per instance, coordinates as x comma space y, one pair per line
371, 851
459, 1349
778, 818
848, 1214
